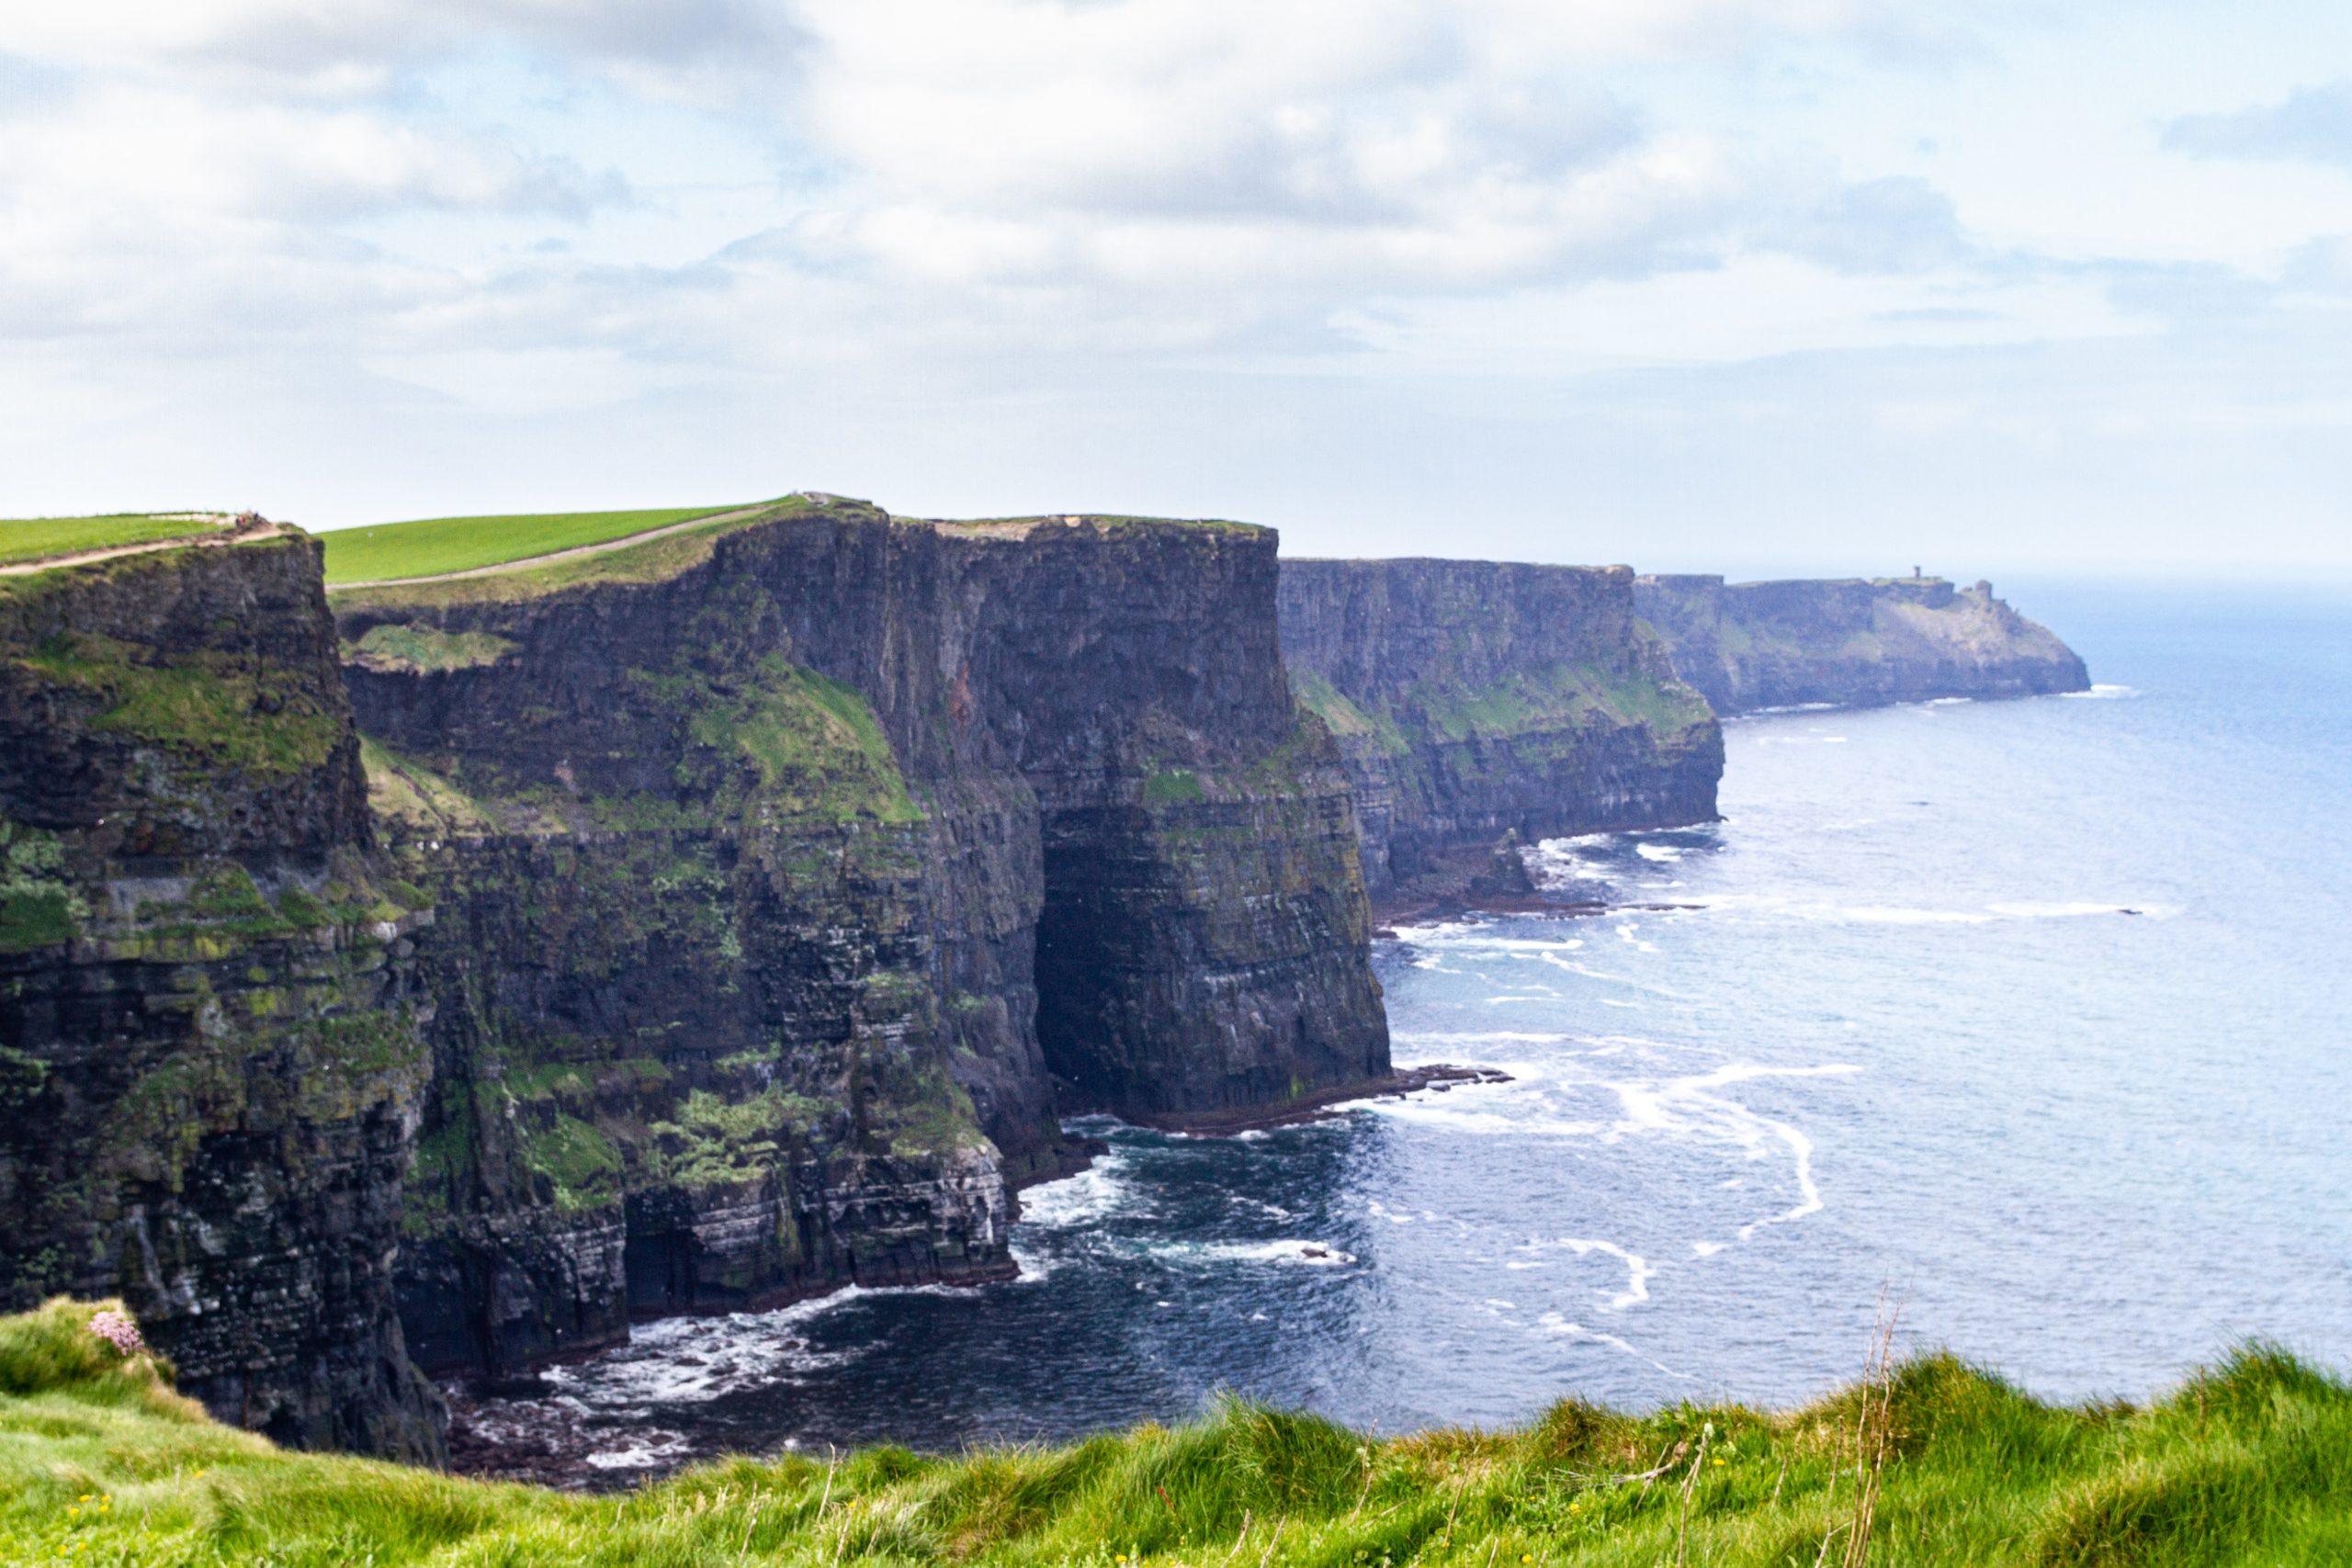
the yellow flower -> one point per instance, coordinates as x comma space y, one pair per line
72, 1512
1719, 1461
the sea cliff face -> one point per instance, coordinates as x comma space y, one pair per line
789, 883
1481, 705
211, 1062
1759, 645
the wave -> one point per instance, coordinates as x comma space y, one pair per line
1638, 1270
1902, 915
693, 1361
2100, 693
1554, 1323
1073, 1201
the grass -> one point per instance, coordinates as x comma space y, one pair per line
34, 538
434, 544
656, 559
2245, 1465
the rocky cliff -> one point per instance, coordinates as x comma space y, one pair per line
1479, 703
211, 1064
789, 873
1759, 645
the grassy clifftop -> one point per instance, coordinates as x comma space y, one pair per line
430, 545
2245, 1464
39, 538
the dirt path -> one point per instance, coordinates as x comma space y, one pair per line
263, 529
575, 553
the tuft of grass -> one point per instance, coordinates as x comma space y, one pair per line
2244, 1465
36, 538
432, 544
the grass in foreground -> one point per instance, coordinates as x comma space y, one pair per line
32, 538
2247, 1464
434, 544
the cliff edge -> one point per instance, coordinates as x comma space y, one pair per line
1482, 705
1855, 641
210, 1058
795, 871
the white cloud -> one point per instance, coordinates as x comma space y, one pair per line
2311, 125
948, 211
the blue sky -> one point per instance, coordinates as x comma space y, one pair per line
1746, 285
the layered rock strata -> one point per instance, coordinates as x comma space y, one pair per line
211, 1063
785, 873
1855, 641
1480, 705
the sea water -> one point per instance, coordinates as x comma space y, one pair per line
2026, 1018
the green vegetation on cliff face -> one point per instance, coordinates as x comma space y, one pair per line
1483, 704
463, 543
34, 538
815, 742
2242, 1467
423, 650
200, 701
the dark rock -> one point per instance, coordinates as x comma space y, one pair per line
779, 891
1481, 707
210, 1061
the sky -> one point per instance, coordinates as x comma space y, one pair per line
1750, 286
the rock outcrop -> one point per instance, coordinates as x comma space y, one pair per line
1480, 703
1854, 641
791, 875
211, 1064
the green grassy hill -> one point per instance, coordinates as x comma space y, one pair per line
2247, 1464
434, 544
31, 538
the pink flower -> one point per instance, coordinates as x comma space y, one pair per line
119, 1331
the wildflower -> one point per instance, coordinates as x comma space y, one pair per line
1719, 1464
119, 1331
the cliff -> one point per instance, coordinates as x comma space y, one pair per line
210, 1066
1480, 705
1759, 645
791, 872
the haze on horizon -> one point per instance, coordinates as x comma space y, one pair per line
1745, 285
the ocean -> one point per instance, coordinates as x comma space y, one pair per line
2026, 1018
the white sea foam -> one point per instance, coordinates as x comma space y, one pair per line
2104, 693
1638, 1270
2074, 910
1312, 1254
692, 1361
1079, 1200
1902, 915
1552, 1323
1948, 701
1658, 851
